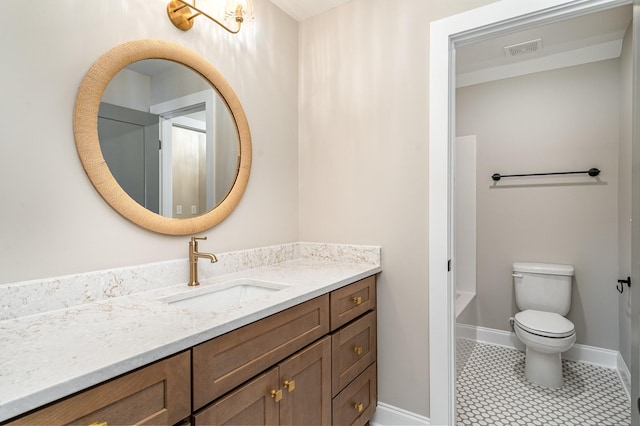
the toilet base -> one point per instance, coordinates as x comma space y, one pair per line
543, 369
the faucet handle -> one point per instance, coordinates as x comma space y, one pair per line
195, 242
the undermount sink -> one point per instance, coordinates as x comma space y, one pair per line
219, 297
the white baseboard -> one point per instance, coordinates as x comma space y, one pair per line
388, 415
625, 376
489, 335
583, 353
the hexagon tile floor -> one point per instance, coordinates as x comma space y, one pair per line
492, 390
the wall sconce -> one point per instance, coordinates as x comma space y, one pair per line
182, 14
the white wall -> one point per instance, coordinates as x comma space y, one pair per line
129, 89
464, 210
52, 220
364, 73
559, 120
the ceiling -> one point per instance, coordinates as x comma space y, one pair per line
303, 9
588, 38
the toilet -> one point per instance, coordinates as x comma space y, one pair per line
543, 295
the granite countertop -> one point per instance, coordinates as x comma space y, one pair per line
54, 353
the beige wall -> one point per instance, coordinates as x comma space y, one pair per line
558, 120
361, 157
52, 221
364, 74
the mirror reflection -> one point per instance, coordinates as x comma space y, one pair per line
168, 138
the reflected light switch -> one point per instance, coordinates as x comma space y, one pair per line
179, 209
194, 210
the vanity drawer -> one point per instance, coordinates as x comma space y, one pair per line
353, 349
356, 404
352, 301
223, 363
156, 395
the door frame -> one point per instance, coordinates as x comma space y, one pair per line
635, 217
169, 110
471, 26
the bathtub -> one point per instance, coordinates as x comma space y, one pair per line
463, 298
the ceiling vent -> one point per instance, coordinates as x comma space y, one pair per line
524, 48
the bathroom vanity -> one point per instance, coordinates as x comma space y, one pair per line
305, 353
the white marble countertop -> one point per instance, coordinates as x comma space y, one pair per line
52, 354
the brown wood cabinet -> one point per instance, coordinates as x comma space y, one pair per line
356, 404
251, 404
296, 392
354, 353
354, 349
312, 364
159, 394
348, 303
306, 382
299, 389
223, 363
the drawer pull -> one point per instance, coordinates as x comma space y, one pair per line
358, 406
290, 385
358, 350
276, 395
357, 300
99, 424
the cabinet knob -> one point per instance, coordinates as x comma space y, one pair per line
358, 406
290, 385
357, 350
276, 395
357, 300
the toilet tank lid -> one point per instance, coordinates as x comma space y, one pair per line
543, 268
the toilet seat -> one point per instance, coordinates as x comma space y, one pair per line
546, 324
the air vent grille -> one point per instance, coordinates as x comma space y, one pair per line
524, 48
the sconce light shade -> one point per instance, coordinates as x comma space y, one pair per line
182, 14
231, 10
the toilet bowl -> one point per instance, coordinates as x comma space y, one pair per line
546, 335
543, 293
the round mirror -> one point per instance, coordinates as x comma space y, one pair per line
162, 137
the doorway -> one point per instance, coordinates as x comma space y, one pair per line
447, 35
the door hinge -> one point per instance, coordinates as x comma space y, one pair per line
159, 145
449, 265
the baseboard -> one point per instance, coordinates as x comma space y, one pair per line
625, 376
489, 335
590, 354
388, 415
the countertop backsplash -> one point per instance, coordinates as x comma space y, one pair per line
44, 295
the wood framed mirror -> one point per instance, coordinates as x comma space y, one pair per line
164, 217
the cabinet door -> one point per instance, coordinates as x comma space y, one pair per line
156, 395
251, 404
305, 379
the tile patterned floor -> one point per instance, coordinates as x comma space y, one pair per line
492, 390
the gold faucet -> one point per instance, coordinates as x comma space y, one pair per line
193, 259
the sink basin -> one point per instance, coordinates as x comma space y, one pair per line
222, 296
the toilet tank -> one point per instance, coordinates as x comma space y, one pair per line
543, 286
